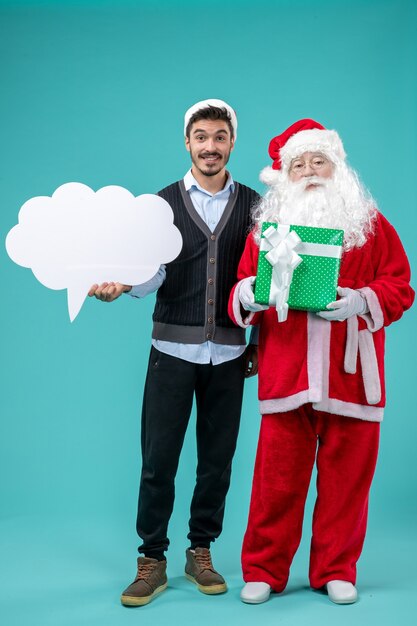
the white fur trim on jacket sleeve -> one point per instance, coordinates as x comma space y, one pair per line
242, 322
375, 317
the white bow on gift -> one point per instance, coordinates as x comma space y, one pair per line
284, 260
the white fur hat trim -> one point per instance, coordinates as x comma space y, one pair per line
315, 140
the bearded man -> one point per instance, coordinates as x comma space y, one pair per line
196, 351
321, 376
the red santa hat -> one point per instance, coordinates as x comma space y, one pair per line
302, 136
205, 104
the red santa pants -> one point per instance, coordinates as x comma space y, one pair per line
345, 450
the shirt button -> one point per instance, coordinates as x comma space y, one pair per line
212, 260
210, 301
210, 320
209, 335
210, 281
213, 237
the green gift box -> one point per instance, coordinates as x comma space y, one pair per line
312, 284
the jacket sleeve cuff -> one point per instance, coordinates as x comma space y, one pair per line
374, 318
243, 322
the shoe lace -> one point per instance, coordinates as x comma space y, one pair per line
204, 560
144, 571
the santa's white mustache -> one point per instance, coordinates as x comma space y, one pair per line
317, 181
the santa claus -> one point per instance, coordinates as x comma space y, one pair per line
321, 375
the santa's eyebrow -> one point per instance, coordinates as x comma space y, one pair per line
314, 155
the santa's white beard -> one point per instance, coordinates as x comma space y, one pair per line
320, 205
340, 202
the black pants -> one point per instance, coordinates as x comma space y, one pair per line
168, 397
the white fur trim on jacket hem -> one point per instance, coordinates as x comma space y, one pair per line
329, 405
281, 405
350, 409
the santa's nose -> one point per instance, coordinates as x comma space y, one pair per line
308, 170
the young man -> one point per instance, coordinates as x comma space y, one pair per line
196, 350
321, 385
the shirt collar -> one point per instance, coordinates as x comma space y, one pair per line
191, 183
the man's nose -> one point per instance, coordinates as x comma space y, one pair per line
308, 170
210, 145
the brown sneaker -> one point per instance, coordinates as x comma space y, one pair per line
199, 569
150, 580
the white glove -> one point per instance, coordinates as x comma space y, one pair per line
351, 303
246, 297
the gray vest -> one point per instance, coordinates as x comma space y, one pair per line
191, 304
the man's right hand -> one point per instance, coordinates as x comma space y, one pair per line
107, 292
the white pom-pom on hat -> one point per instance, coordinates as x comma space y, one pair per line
270, 177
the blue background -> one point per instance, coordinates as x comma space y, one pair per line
95, 92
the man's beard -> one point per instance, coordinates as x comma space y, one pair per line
209, 170
339, 202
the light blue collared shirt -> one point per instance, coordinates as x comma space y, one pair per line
210, 208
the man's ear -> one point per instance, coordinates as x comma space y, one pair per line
232, 143
187, 143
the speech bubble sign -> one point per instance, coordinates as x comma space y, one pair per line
78, 237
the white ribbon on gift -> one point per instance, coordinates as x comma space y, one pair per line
282, 276
283, 258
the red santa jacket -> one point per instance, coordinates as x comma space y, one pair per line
337, 366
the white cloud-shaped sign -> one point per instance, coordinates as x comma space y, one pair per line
79, 237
